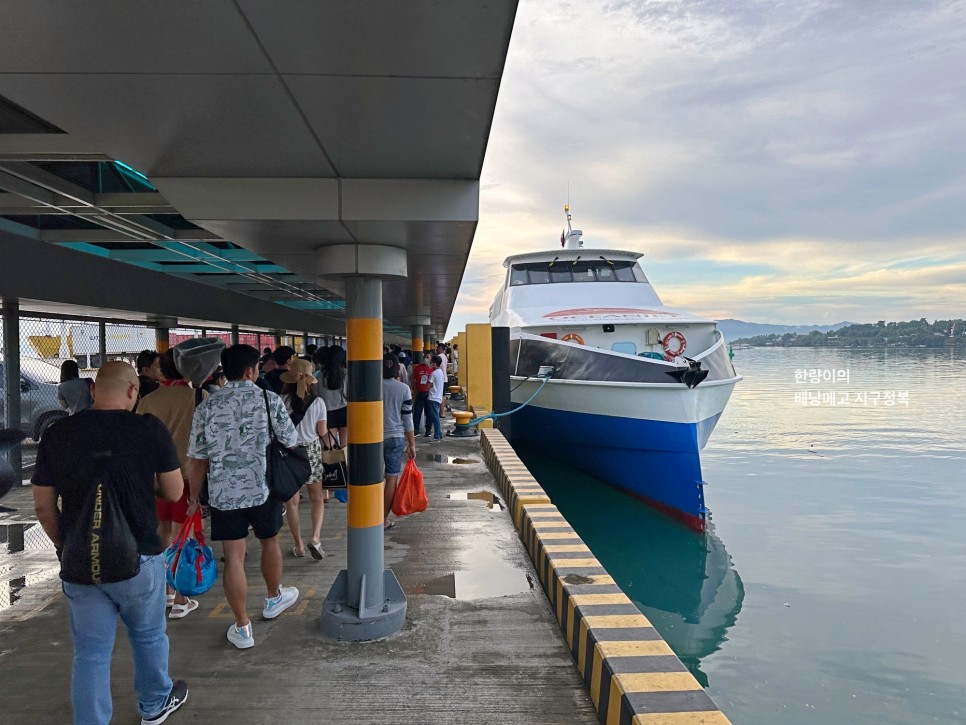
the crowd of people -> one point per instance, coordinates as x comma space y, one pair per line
187, 430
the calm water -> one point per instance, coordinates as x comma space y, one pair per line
833, 586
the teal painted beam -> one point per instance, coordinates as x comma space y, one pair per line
168, 255
86, 247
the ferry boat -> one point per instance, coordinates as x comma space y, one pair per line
635, 387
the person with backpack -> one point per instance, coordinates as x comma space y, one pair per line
307, 411
103, 465
420, 385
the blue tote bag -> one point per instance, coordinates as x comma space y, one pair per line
190, 564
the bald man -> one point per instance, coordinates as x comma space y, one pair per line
135, 458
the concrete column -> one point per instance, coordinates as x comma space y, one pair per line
11, 375
366, 601
234, 336
479, 370
161, 339
102, 341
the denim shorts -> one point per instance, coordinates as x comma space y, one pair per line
392, 453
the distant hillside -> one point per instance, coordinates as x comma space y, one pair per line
912, 333
735, 329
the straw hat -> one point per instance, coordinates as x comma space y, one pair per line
299, 372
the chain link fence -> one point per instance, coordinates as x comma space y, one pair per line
48, 343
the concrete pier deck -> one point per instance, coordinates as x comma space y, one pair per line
481, 643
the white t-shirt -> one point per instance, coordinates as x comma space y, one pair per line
307, 430
437, 381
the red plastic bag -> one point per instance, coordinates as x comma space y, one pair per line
410, 495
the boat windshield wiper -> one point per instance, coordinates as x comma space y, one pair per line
575, 261
607, 260
554, 260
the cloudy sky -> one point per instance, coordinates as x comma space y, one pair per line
786, 162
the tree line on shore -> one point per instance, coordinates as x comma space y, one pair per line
914, 333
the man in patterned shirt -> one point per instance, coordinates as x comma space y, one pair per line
229, 437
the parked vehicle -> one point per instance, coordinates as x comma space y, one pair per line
39, 406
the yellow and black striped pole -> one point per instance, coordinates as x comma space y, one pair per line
366, 601
417, 343
161, 342
364, 354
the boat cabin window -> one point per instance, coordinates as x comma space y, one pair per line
518, 275
560, 273
583, 271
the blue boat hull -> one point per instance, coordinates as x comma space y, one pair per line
655, 461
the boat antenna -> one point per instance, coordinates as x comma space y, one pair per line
570, 238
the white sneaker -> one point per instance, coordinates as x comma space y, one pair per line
287, 596
241, 638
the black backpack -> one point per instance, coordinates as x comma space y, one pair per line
100, 547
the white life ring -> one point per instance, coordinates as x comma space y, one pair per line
671, 350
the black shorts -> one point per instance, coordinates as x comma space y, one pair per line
337, 418
265, 521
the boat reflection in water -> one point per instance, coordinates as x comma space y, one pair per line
683, 581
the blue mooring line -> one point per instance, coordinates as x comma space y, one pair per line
494, 416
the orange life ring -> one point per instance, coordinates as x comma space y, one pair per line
571, 337
669, 352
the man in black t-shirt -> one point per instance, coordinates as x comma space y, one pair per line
140, 459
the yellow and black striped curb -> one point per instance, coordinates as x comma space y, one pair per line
514, 480
631, 673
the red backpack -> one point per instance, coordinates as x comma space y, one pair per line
421, 373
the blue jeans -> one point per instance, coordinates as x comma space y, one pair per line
94, 610
432, 416
420, 403
392, 453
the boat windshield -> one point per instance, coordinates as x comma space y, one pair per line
575, 271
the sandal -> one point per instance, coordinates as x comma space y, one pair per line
298, 554
315, 549
183, 610
168, 600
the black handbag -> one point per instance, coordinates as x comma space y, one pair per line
333, 464
287, 469
100, 547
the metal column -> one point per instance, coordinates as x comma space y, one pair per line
234, 336
102, 342
366, 601
500, 353
11, 373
